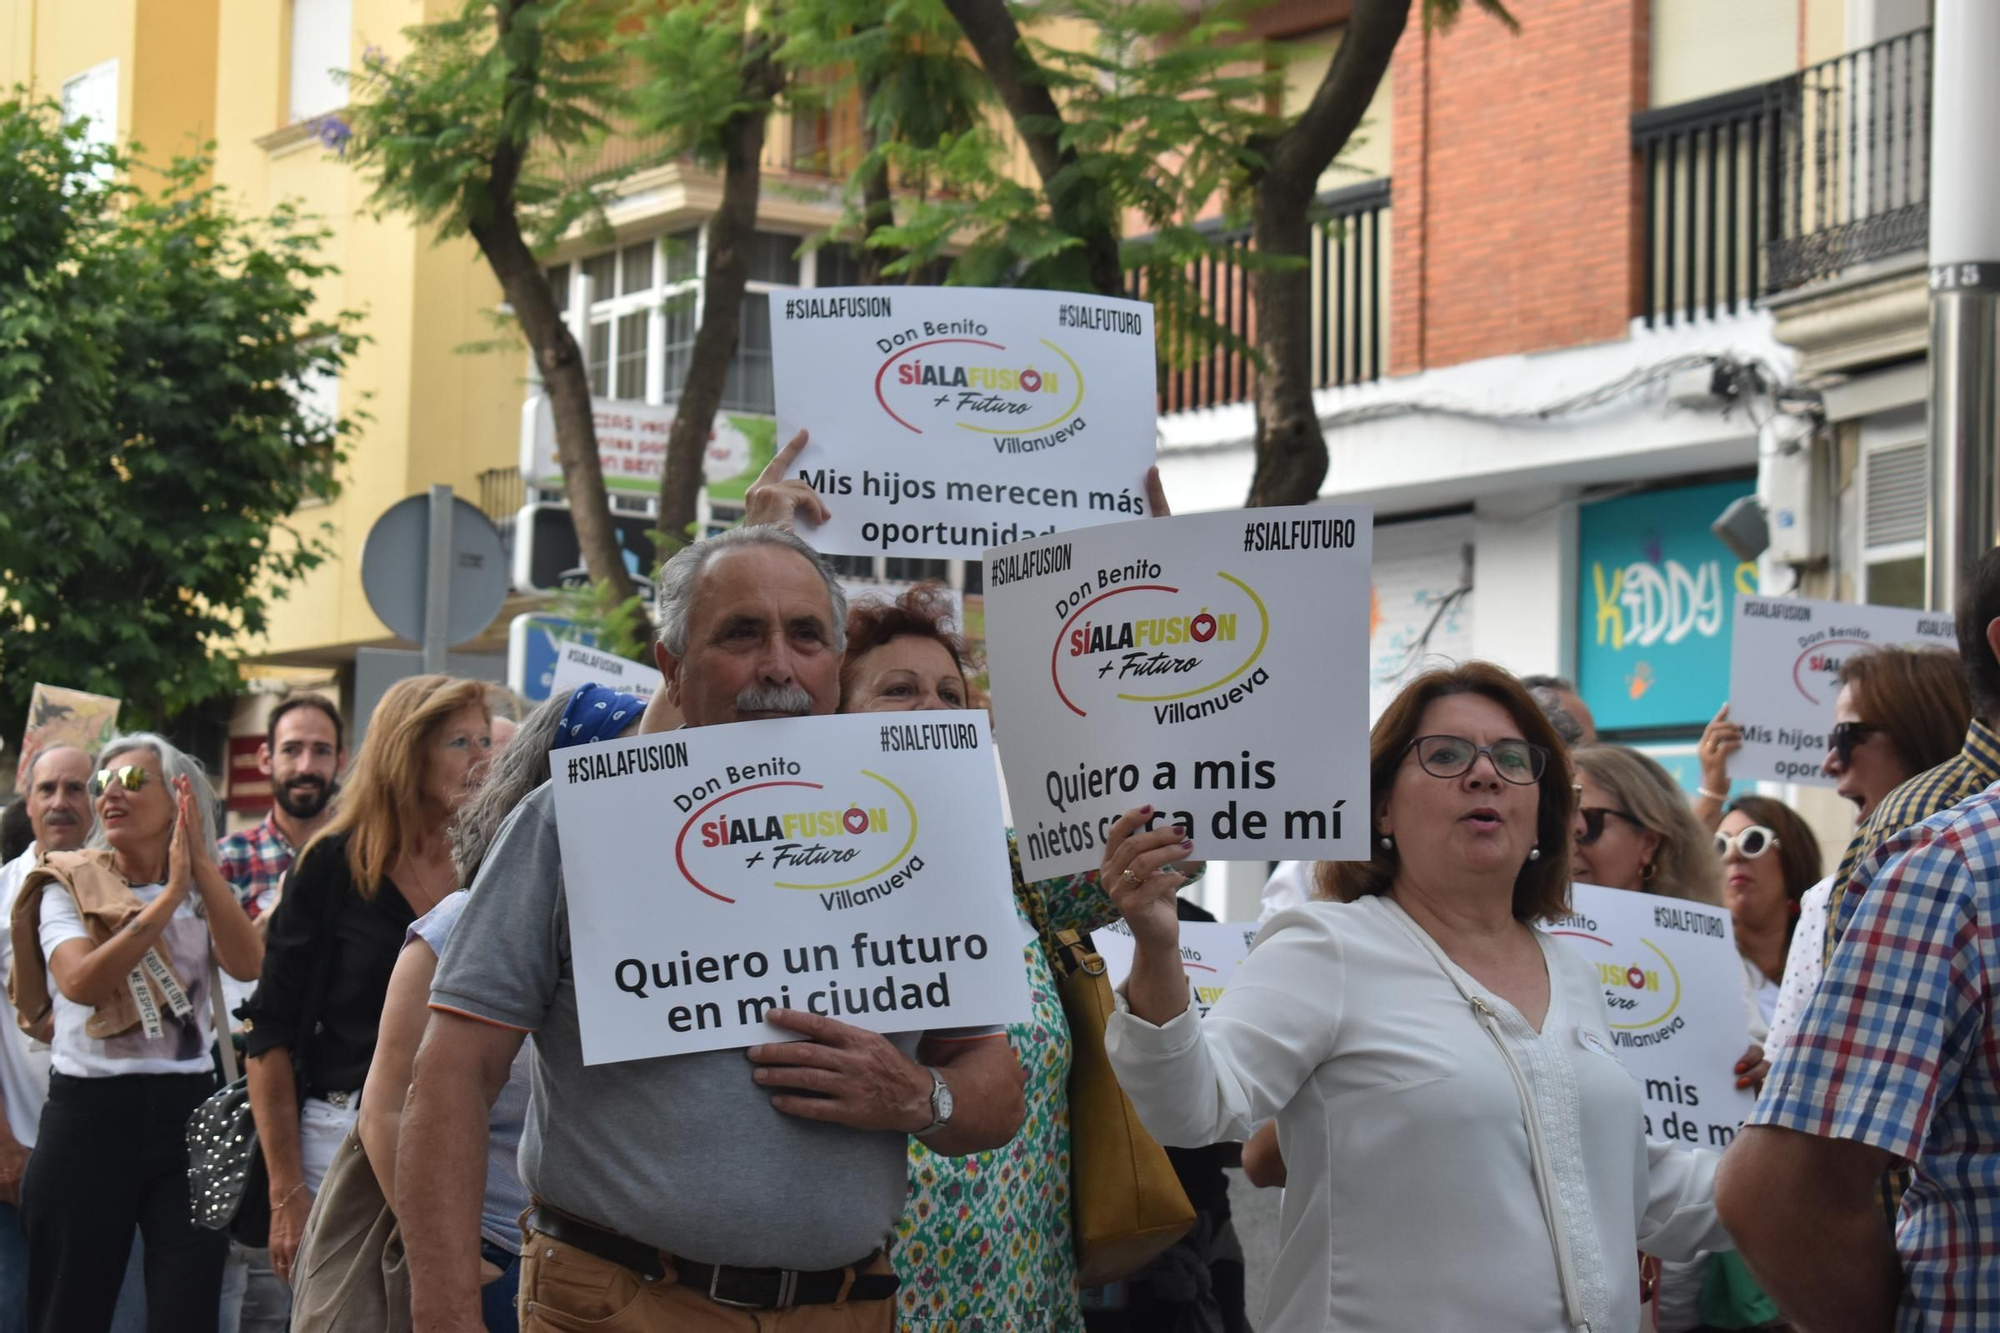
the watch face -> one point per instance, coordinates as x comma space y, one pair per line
941, 1101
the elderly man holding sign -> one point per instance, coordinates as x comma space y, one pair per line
1424, 1026
701, 1191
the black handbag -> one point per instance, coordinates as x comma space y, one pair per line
227, 1180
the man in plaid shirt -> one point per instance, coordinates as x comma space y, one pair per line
1896, 1060
302, 755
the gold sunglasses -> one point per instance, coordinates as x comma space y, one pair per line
129, 776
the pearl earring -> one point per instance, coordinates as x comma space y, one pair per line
1534, 853
1388, 843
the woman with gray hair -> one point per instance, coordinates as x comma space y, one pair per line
589, 714
112, 967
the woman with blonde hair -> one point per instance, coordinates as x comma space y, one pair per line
382, 862
1634, 829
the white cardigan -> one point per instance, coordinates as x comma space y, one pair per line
1412, 1201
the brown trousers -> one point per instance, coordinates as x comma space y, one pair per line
564, 1290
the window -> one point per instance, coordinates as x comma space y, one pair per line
92, 97
1895, 479
320, 47
748, 386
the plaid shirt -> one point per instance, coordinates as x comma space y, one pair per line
1972, 770
254, 862
1899, 1050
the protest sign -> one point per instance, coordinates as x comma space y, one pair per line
1673, 982
57, 716
580, 664
1210, 951
1784, 669
946, 420
851, 866
1214, 666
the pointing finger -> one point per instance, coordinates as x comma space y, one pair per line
782, 462
1156, 493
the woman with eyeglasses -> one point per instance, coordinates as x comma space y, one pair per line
112, 949
383, 861
1463, 1150
1634, 830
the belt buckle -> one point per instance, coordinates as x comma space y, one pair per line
788, 1282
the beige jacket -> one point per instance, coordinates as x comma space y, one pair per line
107, 904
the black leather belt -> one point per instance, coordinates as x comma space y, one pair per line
747, 1288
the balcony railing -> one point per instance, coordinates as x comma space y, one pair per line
1347, 278
1768, 188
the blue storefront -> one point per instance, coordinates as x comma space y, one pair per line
1656, 599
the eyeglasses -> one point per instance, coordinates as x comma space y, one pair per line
1752, 842
1593, 822
1845, 736
129, 776
1518, 762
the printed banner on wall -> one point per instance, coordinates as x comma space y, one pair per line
1653, 621
1784, 675
850, 866
1207, 665
945, 420
632, 447
1673, 983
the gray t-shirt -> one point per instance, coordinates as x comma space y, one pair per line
684, 1153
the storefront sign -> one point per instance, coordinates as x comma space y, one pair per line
1656, 591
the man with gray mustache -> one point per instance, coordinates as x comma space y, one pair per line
725, 1190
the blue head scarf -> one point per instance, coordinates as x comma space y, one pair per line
596, 713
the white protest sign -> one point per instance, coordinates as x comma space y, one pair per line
1214, 666
580, 664
1784, 669
1210, 951
1673, 982
851, 866
946, 420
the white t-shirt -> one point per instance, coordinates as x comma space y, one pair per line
24, 1062
182, 1046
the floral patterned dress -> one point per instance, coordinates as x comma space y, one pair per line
984, 1243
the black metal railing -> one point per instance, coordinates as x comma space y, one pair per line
1348, 279
1767, 188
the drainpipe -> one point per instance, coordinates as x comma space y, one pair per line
1964, 498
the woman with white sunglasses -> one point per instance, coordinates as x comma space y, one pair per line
1769, 859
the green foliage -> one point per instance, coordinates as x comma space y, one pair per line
1160, 114
154, 353
621, 627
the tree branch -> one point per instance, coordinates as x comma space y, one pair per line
1308, 146
991, 29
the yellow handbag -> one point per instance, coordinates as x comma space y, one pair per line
1126, 1204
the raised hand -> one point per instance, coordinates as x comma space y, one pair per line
777, 499
1140, 875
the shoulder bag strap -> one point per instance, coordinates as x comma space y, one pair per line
224, 1038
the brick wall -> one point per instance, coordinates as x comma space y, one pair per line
1517, 196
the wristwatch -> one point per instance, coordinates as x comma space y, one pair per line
940, 1104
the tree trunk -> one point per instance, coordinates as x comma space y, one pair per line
1290, 446
1075, 203
557, 356
729, 235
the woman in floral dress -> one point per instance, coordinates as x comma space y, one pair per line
984, 1245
